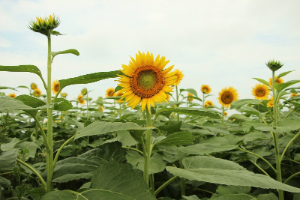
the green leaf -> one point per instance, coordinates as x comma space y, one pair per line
88, 78
190, 111
215, 170
8, 103
22, 68
232, 197
223, 189
100, 128
193, 197
4, 182
8, 159
283, 74
287, 126
242, 102
190, 90
32, 147
249, 110
71, 51
52, 32
280, 86
10, 145
270, 196
137, 161
3, 88
262, 81
206, 148
239, 117
62, 104
180, 138
30, 101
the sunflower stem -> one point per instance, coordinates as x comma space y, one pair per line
177, 98
147, 149
223, 115
87, 105
203, 99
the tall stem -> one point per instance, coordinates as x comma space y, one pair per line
276, 145
87, 106
222, 114
147, 149
177, 98
49, 166
203, 99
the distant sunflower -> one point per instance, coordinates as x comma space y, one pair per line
179, 75
294, 94
55, 86
33, 86
13, 95
119, 94
260, 91
64, 94
168, 96
205, 89
277, 80
37, 92
146, 81
190, 95
100, 108
208, 103
80, 99
270, 104
110, 92
225, 114
227, 96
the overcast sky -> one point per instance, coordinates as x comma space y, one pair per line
215, 42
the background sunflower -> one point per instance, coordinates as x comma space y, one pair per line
260, 91
227, 96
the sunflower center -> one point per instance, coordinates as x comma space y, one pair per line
205, 90
227, 97
56, 87
147, 81
260, 93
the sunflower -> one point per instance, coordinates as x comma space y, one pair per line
64, 95
294, 94
227, 96
33, 86
225, 113
55, 86
119, 94
277, 80
46, 25
84, 91
260, 91
205, 89
208, 103
146, 81
190, 97
168, 97
179, 75
13, 95
80, 99
110, 92
100, 108
37, 92
270, 104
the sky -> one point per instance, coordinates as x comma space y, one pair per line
215, 42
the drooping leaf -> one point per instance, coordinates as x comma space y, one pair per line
180, 138
22, 68
30, 101
190, 111
8, 103
206, 148
242, 102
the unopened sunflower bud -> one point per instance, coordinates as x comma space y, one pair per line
44, 25
274, 65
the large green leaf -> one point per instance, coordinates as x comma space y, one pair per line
280, 86
206, 148
88, 78
180, 138
262, 81
284, 126
22, 68
8, 103
30, 101
242, 102
100, 128
215, 170
8, 159
111, 181
283, 74
190, 111
62, 104
10, 145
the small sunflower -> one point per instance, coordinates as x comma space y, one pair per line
270, 104
168, 97
64, 95
100, 108
80, 99
13, 95
119, 94
190, 95
55, 86
225, 114
294, 94
208, 103
84, 91
260, 91
37, 92
110, 92
146, 81
44, 25
179, 76
205, 89
277, 80
33, 86
227, 96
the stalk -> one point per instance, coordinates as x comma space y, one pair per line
49, 165
203, 99
147, 149
87, 106
276, 145
177, 98
223, 115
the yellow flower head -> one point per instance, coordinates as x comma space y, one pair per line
208, 103
13, 95
270, 104
37, 92
179, 75
146, 80
55, 87
168, 97
64, 95
110, 92
260, 91
80, 99
190, 97
84, 91
205, 89
33, 86
119, 94
225, 114
46, 25
100, 108
227, 96
277, 80
294, 94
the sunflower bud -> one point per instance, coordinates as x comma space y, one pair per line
84, 91
274, 65
46, 25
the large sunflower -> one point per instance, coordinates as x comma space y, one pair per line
205, 89
277, 80
110, 92
55, 86
227, 96
260, 91
146, 80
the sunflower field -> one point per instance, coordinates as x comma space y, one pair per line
148, 138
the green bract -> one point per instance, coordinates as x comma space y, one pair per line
46, 25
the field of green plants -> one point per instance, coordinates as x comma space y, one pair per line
148, 138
